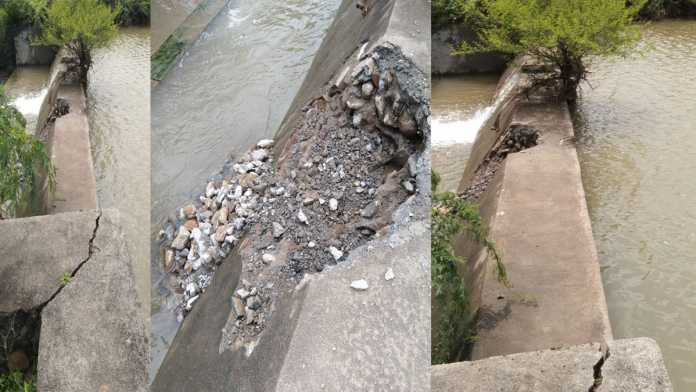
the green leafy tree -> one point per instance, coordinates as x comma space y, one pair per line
564, 34
80, 26
23, 161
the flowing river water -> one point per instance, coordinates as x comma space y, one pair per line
232, 88
637, 147
460, 106
118, 98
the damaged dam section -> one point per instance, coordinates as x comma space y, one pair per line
549, 331
300, 264
64, 286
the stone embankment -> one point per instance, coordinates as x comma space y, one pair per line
524, 173
331, 217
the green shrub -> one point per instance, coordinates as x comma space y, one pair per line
80, 26
15, 382
451, 216
132, 12
656, 9
23, 161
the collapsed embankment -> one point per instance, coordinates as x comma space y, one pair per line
524, 173
335, 217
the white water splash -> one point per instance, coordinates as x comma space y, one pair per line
235, 18
30, 104
451, 129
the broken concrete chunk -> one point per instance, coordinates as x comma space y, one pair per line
278, 230
243, 293
268, 258
238, 307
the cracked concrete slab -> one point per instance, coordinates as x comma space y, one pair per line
377, 339
92, 334
633, 365
30, 269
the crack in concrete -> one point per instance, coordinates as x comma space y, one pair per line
597, 369
90, 251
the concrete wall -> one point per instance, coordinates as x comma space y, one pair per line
445, 38
537, 214
28, 54
68, 142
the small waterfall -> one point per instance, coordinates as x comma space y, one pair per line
451, 129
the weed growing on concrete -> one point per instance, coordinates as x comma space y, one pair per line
65, 279
453, 328
164, 58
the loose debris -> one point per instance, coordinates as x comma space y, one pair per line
332, 187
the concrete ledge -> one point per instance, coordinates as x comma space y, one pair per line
71, 154
632, 365
92, 336
36, 252
371, 340
542, 227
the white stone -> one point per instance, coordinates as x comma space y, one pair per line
336, 253
389, 275
333, 204
360, 285
265, 143
259, 155
243, 293
302, 217
268, 258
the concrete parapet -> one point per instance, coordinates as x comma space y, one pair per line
542, 228
71, 155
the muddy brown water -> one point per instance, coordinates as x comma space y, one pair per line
231, 88
637, 131
460, 105
118, 98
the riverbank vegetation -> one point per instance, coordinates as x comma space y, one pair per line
18, 15
80, 26
564, 35
24, 162
454, 327
15, 382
